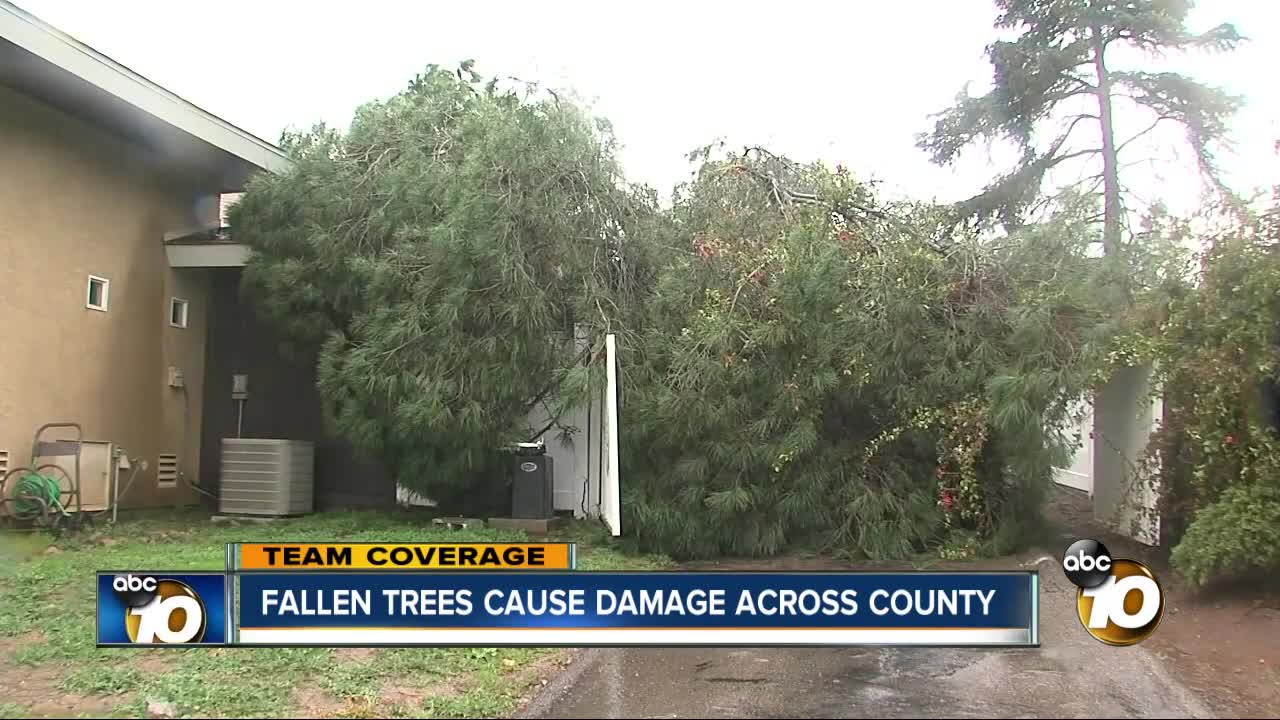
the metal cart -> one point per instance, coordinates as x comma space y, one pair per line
48, 495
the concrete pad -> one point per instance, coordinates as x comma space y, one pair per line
538, 526
248, 518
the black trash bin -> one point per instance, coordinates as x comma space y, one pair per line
532, 483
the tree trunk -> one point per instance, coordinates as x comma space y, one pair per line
1110, 168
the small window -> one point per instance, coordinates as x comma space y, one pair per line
177, 312
99, 288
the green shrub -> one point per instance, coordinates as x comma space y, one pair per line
1238, 533
1216, 458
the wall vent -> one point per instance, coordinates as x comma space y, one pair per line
4, 463
167, 470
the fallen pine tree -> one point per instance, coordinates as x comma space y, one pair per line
818, 367
433, 260
803, 363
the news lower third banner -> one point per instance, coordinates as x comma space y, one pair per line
528, 598
651, 608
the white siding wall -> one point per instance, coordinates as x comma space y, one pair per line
1124, 418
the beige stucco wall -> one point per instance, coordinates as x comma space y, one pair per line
75, 201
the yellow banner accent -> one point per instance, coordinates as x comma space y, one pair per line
402, 556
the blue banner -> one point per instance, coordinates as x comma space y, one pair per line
670, 607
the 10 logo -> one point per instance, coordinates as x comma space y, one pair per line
160, 611
1119, 600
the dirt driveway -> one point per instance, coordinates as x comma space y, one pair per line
1215, 655
1070, 675
1224, 643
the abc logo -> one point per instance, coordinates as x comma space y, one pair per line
1087, 563
159, 610
1119, 601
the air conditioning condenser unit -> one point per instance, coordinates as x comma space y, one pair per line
267, 477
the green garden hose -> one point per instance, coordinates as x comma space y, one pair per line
34, 493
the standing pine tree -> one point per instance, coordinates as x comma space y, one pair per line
1056, 78
435, 259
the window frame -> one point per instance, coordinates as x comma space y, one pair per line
106, 293
186, 312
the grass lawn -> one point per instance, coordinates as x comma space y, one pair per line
49, 665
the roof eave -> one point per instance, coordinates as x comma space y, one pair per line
63, 51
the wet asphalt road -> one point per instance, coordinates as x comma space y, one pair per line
1069, 675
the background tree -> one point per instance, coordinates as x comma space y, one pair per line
1056, 78
434, 260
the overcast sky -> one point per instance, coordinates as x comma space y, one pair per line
849, 81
